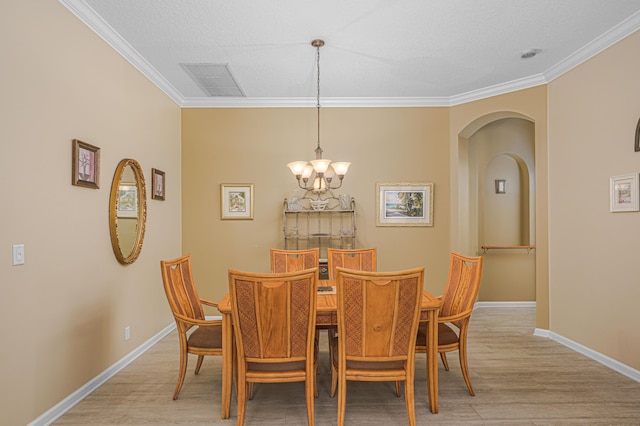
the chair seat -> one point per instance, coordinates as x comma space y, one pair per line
446, 336
206, 337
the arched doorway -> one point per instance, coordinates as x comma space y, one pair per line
497, 202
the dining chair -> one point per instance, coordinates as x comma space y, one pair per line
274, 320
378, 316
294, 260
363, 259
458, 299
186, 306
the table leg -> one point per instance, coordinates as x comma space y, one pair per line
227, 364
432, 359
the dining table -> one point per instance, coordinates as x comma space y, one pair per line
326, 316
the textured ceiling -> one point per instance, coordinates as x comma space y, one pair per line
377, 52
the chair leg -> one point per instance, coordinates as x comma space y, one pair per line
334, 380
334, 369
310, 393
409, 399
242, 400
183, 370
342, 399
199, 363
443, 357
462, 352
398, 393
316, 358
250, 391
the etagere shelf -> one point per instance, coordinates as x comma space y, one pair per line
305, 227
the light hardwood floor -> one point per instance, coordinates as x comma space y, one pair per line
519, 379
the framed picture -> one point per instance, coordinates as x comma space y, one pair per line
623, 193
404, 204
158, 184
85, 167
236, 200
501, 186
127, 200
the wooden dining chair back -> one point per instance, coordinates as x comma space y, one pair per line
363, 259
458, 299
378, 316
274, 319
188, 312
294, 260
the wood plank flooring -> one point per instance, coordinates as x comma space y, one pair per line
519, 379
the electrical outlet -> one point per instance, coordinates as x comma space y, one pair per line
18, 254
127, 333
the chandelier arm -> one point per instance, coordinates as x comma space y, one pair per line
335, 187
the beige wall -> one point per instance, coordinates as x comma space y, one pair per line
63, 313
594, 266
254, 146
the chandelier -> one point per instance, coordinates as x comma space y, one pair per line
317, 175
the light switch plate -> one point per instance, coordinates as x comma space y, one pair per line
18, 254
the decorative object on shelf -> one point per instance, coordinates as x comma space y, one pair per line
158, 184
345, 201
324, 169
318, 204
404, 204
501, 186
236, 201
85, 167
623, 193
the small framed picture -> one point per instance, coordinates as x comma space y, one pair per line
85, 167
158, 184
404, 204
501, 186
236, 201
623, 193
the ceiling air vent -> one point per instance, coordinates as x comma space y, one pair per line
214, 79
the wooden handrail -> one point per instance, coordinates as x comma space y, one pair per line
487, 248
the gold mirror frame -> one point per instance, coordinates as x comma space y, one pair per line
140, 214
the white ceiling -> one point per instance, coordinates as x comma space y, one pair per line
377, 52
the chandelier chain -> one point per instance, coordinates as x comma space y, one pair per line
318, 93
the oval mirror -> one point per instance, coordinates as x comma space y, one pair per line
127, 211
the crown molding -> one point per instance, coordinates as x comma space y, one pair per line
606, 40
98, 25
222, 102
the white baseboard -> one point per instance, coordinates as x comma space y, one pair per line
589, 353
504, 305
66, 404
621, 368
